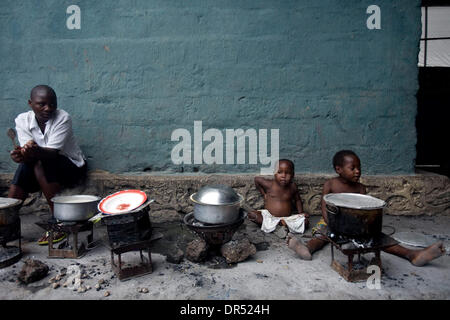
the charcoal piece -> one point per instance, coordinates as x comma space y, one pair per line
32, 271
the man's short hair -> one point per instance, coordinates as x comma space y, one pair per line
42, 87
338, 159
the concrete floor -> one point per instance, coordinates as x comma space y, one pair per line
274, 273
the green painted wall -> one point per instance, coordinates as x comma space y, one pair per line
139, 69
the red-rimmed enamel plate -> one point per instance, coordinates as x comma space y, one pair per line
122, 201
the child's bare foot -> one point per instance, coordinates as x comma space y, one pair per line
255, 216
298, 247
424, 256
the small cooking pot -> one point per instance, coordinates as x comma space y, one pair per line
9, 210
354, 215
216, 204
74, 208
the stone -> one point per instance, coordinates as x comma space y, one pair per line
196, 250
237, 250
238, 235
32, 271
175, 255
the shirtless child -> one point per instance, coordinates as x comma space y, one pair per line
281, 200
348, 167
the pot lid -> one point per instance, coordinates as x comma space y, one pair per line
9, 202
216, 195
354, 201
414, 238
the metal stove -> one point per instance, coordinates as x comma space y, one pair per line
129, 232
10, 254
145, 265
214, 234
357, 271
67, 248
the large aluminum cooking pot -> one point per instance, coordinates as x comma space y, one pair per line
9, 210
354, 215
216, 204
74, 208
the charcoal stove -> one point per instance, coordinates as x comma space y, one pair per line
67, 248
10, 254
128, 232
9, 231
354, 272
214, 234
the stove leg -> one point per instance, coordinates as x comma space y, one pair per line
150, 259
332, 253
377, 255
350, 262
75, 239
378, 258
90, 237
20, 241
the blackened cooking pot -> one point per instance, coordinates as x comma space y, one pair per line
9, 210
354, 215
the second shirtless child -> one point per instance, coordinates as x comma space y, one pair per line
281, 200
348, 166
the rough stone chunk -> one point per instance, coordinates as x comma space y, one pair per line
32, 270
175, 255
196, 250
237, 250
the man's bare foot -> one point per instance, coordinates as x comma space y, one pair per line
424, 256
298, 247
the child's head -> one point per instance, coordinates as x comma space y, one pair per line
347, 165
43, 102
284, 172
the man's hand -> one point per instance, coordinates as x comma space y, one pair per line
30, 150
16, 155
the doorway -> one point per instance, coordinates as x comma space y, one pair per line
433, 97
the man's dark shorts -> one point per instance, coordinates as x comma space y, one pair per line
60, 170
